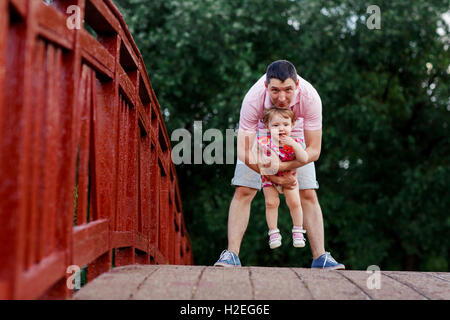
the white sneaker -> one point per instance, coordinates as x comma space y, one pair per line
298, 240
274, 238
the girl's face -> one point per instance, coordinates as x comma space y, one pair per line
279, 126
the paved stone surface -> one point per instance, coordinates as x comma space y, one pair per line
279, 283
426, 284
329, 285
220, 284
168, 282
119, 284
388, 289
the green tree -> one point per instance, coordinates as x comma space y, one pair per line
384, 167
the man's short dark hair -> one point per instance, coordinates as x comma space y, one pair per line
281, 70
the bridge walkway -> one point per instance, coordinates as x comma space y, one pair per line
176, 282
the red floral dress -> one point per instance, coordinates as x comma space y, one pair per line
286, 153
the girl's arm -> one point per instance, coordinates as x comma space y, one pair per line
301, 155
313, 140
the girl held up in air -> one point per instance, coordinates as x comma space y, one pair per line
279, 123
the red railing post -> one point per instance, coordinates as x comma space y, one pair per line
85, 167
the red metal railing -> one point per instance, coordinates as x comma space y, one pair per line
86, 175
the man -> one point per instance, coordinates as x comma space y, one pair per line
281, 87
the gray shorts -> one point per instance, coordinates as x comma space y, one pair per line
246, 177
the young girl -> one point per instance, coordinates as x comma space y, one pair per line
279, 122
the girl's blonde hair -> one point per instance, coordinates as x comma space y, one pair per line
284, 112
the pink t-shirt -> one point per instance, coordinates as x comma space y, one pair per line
306, 105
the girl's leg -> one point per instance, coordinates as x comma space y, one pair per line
295, 206
272, 203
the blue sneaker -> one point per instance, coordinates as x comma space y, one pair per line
228, 259
327, 262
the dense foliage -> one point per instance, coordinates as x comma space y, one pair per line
384, 167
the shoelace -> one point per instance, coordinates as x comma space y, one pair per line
328, 257
227, 255
331, 258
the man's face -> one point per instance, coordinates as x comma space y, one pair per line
282, 93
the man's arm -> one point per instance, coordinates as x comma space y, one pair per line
313, 141
245, 142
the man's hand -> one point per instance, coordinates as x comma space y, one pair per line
288, 180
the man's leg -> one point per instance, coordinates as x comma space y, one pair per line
238, 216
313, 221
